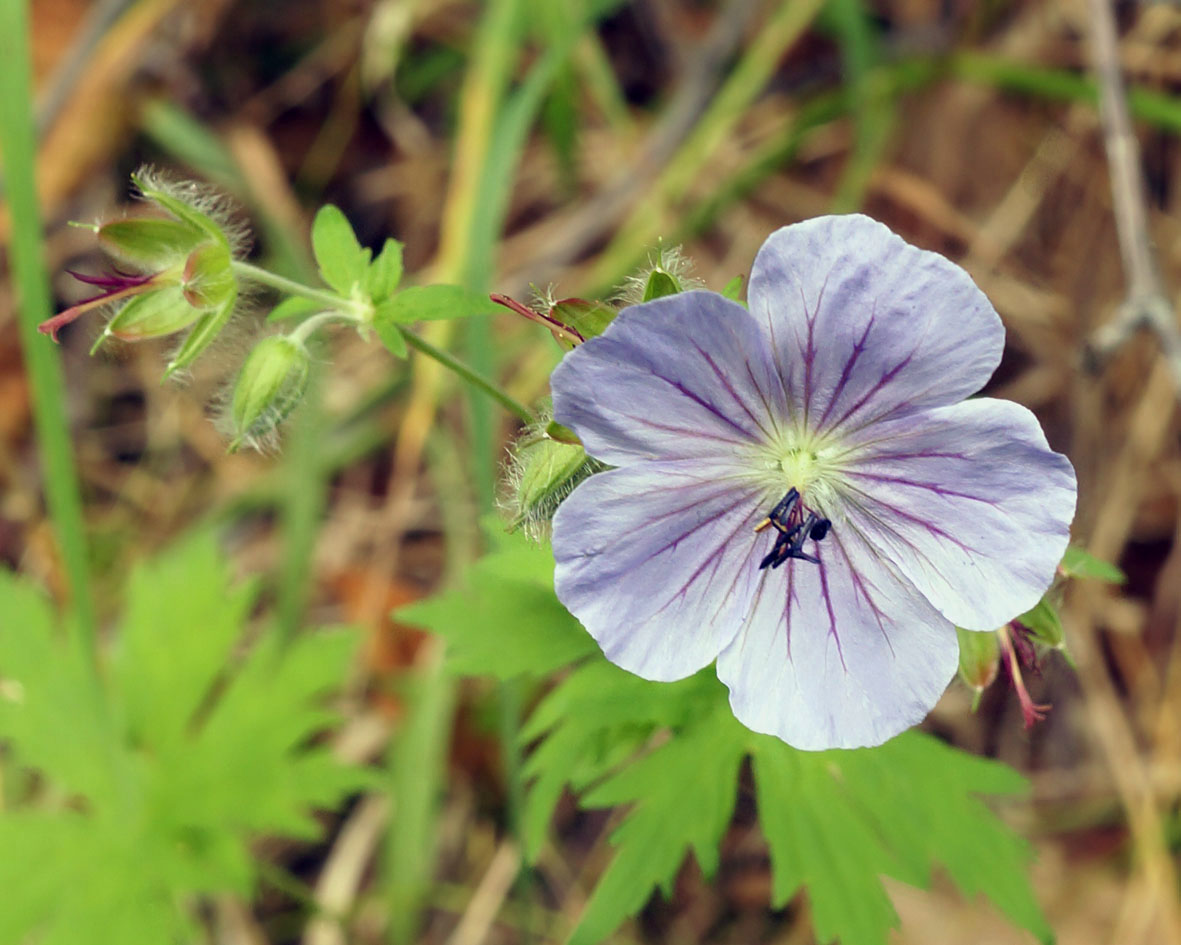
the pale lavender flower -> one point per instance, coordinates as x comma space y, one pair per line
845, 381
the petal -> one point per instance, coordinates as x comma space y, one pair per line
843, 654
658, 562
865, 326
969, 503
688, 375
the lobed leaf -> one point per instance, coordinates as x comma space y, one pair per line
171, 768
505, 622
343, 262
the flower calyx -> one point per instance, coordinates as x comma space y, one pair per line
171, 272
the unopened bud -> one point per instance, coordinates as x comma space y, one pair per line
271, 384
543, 471
980, 654
660, 283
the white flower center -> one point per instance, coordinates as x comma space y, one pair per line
810, 464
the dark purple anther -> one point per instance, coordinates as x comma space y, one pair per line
794, 529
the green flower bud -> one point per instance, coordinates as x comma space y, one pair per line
660, 283
271, 384
980, 653
542, 472
667, 273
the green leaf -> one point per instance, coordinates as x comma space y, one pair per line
506, 622
342, 261
666, 820
1044, 623
837, 821
385, 272
733, 289
51, 715
589, 318
158, 785
390, 334
592, 722
1079, 563
201, 337
431, 302
293, 307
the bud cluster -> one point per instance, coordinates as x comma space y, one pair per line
181, 271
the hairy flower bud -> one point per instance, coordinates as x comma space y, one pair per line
270, 385
542, 472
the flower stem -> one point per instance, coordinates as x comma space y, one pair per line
478, 381
341, 306
291, 287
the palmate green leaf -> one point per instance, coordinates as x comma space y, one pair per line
593, 721
343, 262
506, 621
157, 786
683, 797
836, 822
51, 716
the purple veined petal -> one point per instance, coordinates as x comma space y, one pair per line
865, 326
969, 503
844, 654
684, 376
659, 560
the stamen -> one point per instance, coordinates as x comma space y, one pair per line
794, 529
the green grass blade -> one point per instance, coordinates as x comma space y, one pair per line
18, 147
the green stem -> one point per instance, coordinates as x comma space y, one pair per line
339, 304
476, 380
291, 287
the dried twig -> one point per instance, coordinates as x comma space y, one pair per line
1146, 305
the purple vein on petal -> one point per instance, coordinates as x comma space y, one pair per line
863, 588
895, 510
677, 385
714, 558
832, 617
877, 388
858, 347
729, 389
929, 486
647, 523
690, 433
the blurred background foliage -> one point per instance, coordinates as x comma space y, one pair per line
519, 143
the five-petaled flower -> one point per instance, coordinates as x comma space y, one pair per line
845, 383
